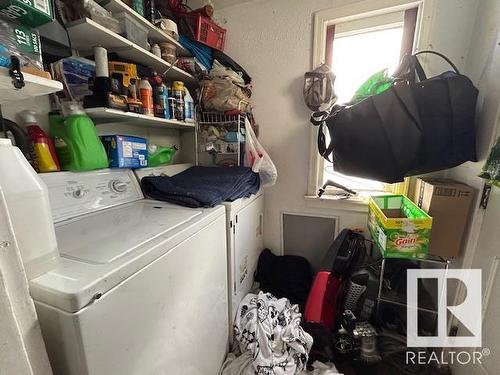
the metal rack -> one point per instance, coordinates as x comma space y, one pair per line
428, 259
214, 148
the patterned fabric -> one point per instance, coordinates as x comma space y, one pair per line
269, 330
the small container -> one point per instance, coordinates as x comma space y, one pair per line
132, 30
156, 50
188, 106
146, 95
178, 92
160, 98
168, 52
206, 31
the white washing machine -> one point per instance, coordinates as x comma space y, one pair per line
245, 240
140, 287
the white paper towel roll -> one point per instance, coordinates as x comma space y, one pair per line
101, 62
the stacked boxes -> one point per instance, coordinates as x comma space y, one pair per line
31, 13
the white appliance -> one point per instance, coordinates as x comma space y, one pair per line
245, 240
140, 287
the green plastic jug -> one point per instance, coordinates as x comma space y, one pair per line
77, 144
158, 155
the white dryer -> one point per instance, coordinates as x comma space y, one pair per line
244, 236
140, 287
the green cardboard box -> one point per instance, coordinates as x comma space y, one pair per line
31, 13
399, 227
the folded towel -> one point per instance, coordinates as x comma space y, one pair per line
203, 186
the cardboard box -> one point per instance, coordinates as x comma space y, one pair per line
449, 203
399, 227
126, 151
27, 12
22, 42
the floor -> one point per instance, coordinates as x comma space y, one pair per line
382, 368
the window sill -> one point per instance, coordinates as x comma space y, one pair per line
355, 204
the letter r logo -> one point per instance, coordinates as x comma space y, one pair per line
468, 313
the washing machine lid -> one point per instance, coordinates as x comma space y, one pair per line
106, 236
99, 251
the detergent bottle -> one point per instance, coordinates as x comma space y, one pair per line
76, 141
42, 148
158, 155
27, 202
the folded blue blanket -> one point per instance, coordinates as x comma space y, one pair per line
203, 186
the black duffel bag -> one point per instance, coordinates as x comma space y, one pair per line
417, 126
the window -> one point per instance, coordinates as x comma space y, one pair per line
356, 49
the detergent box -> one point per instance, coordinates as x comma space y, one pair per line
399, 227
126, 151
27, 12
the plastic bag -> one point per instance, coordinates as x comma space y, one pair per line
258, 159
376, 84
222, 95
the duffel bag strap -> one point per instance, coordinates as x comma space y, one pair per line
410, 67
440, 55
319, 119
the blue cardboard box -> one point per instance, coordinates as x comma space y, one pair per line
125, 151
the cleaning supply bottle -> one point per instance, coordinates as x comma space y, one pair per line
146, 94
42, 148
76, 141
160, 98
178, 102
27, 201
188, 106
158, 155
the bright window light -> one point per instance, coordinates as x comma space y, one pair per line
355, 58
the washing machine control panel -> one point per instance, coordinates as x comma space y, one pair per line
74, 194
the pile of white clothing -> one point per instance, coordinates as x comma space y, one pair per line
270, 338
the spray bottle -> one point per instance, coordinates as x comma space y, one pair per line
42, 148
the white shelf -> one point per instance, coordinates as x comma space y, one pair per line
35, 86
106, 115
86, 34
154, 33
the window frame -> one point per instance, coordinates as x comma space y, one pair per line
324, 33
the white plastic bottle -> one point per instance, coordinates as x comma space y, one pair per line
27, 200
188, 106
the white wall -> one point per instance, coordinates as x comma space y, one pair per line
273, 41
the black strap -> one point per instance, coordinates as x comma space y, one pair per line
440, 55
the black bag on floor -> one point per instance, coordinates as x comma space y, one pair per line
417, 126
286, 276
